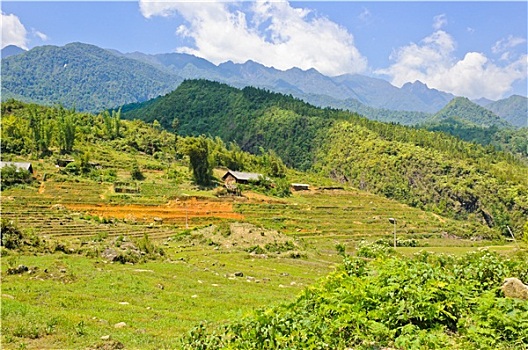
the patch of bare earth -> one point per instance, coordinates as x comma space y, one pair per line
242, 235
173, 212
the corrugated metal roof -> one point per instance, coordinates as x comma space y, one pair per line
239, 175
20, 165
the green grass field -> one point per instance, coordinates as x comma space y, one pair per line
68, 300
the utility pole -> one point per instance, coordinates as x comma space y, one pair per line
393, 221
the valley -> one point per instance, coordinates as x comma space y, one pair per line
124, 235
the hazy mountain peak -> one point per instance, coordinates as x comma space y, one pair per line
11, 50
309, 84
513, 109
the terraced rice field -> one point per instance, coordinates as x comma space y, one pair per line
81, 209
333, 213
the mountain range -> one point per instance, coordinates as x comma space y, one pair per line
91, 78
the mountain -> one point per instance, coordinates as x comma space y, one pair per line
96, 78
379, 114
514, 110
463, 109
433, 98
82, 76
11, 50
483, 101
91, 78
369, 91
429, 170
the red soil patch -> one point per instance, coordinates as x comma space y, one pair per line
174, 211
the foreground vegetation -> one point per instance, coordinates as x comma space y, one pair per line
377, 300
122, 238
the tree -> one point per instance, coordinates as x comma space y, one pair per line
41, 130
175, 125
136, 173
198, 151
66, 129
273, 164
112, 123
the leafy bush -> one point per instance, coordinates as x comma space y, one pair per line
424, 302
136, 174
11, 236
11, 175
373, 250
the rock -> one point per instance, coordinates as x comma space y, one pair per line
239, 274
17, 270
514, 288
105, 337
124, 303
120, 325
129, 246
58, 207
109, 254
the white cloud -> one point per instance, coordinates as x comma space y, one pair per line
272, 33
13, 31
439, 22
40, 35
506, 44
432, 62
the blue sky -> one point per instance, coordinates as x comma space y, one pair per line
473, 49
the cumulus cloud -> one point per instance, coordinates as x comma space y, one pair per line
13, 31
271, 32
432, 62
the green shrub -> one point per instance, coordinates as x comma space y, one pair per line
11, 175
136, 174
11, 236
424, 302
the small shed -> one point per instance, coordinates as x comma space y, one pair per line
232, 177
18, 165
300, 187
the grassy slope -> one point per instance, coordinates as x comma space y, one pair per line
420, 168
77, 300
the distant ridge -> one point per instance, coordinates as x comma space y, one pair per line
463, 109
11, 50
514, 110
98, 78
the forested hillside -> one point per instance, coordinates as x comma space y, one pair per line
514, 109
507, 139
91, 78
463, 108
82, 76
425, 169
